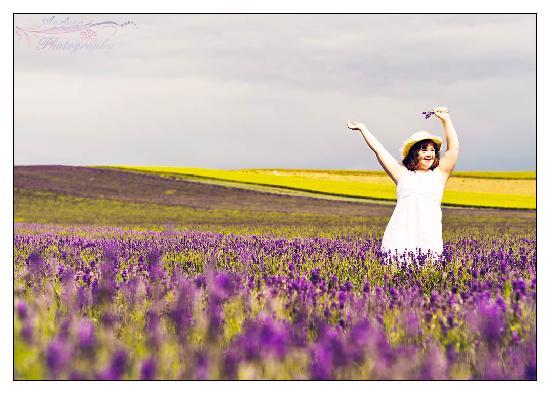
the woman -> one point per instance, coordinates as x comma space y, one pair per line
415, 225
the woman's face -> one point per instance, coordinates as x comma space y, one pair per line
426, 157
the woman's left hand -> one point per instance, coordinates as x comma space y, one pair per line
442, 113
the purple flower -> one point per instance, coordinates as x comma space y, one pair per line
117, 366
152, 320
503, 266
83, 297
347, 286
109, 319
155, 268
263, 337
148, 369
77, 375
366, 287
434, 366
315, 275
57, 356
451, 320
328, 354
491, 369
411, 324
60, 270
274, 336
489, 320
22, 310
124, 275
434, 299
332, 282
86, 335
451, 353
27, 331
65, 327
36, 265
66, 274
378, 290
110, 261
342, 298
515, 337
321, 364
501, 304
201, 366
470, 320
135, 291
358, 339
519, 287
182, 310
107, 286
360, 332
200, 281
87, 277
230, 365
250, 282
224, 284
299, 327
215, 320
531, 368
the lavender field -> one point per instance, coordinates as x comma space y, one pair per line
276, 287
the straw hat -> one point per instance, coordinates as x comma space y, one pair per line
418, 136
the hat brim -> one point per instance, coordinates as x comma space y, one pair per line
409, 143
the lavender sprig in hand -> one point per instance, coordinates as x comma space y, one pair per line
441, 112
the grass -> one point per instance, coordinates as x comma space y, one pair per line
32, 206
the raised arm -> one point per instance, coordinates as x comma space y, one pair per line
392, 167
448, 161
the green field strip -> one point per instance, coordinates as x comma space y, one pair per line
32, 206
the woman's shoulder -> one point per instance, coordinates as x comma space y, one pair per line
401, 173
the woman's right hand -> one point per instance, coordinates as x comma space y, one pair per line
442, 113
353, 125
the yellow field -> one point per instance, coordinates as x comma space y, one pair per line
479, 189
462, 174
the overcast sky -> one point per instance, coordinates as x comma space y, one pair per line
240, 91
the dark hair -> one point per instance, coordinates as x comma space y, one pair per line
411, 161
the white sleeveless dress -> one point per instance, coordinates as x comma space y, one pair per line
415, 224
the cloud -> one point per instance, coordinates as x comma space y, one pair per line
275, 90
